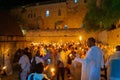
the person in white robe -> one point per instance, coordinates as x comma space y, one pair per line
25, 66
92, 64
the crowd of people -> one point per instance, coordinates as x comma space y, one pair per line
88, 56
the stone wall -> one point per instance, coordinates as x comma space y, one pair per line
9, 45
111, 37
102, 36
58, 35
106, 37
114, 37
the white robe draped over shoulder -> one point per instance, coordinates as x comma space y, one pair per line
92, 64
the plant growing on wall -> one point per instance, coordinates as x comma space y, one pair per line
103, 16
112, 12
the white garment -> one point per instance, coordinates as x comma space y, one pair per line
25, 65
92, 64
24, 62
38, 60
7, 62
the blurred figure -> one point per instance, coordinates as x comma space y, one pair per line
28, 53
91, 65
76, 69
69, 59
38, 57
17, 55
60, 70
38, 75
115, 56
25, 65
35, 60
8, 65
60, 58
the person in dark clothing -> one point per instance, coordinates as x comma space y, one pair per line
60, 70
26, 51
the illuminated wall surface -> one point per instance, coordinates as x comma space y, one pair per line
58, 35
51, 16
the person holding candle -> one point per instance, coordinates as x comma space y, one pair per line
93, 62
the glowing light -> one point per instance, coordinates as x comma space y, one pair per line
114, 49
76, 1
4, 67
47, 13
35, 43
52, 69
53, 72
80, 38
23, 31
80, 48
70, 55
6, 51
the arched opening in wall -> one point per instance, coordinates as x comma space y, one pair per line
59, 25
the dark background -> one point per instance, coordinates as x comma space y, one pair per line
8, 4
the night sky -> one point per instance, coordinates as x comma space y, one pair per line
8, 4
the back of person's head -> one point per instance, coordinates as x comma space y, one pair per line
21, 52
39, 68
91, 39
91, 42
118, 48
26, 49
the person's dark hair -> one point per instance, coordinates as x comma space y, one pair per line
39, 68
118, 48
26, 49
37, 53
91, 39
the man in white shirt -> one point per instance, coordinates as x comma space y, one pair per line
91, 65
